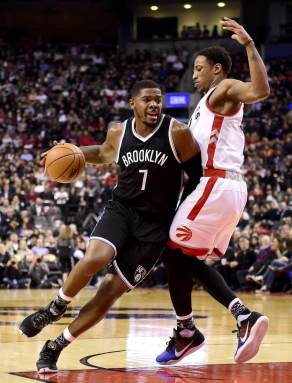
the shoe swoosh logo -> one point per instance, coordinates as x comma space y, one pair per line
179, 353
246, 334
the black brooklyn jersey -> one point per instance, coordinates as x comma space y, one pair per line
150, 175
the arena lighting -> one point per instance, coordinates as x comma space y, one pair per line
154, 8
187, 6
221, 4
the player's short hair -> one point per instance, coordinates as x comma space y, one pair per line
217, 55
143, 84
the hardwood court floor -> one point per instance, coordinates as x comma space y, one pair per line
122, 348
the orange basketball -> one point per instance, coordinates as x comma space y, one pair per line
64, 163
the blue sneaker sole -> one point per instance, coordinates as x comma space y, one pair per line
188, 352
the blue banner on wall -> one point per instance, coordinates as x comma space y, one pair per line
177, 100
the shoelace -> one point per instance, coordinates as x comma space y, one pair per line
47, 356
50, 356
171, 341
237, 333
41, 319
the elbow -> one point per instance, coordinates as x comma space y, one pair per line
267, 92
263, 93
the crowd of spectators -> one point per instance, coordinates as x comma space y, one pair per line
259, 257
72, 93
195, 32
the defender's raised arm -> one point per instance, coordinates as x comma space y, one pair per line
258, 88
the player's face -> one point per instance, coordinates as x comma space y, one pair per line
147, 105
203, 74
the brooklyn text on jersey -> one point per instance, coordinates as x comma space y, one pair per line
147, 155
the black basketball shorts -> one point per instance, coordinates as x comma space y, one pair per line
137, 242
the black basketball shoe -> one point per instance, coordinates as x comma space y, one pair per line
178, 347
48, 357
250, 334
34, 323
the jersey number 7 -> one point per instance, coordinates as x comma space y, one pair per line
145, 173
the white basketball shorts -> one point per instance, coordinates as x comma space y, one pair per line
205, 221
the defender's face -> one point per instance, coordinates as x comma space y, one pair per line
203, 75
147, 105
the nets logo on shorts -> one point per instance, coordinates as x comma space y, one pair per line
184, 233
140, 273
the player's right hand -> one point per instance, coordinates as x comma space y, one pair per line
239, 33
44, 155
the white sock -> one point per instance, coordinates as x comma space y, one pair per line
233, 302
68, 336
185, 325
64, 339
238, 310
63, 296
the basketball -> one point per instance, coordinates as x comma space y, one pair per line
64, 163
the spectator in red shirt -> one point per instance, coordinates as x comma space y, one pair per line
86, 139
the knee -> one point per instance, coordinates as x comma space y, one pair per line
174, 259
111, 288
97, 256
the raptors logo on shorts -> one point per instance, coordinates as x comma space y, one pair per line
184, 233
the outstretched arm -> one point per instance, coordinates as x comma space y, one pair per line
98, 154
107, 151
258, 88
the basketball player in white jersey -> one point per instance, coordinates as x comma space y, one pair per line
205, 221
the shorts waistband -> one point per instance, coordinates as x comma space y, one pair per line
230, 174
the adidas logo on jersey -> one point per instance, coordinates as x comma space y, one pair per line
184, 233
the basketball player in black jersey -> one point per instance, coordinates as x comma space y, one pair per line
150, 149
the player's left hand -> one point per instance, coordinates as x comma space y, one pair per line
239, 33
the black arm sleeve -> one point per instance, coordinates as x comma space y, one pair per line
194, 171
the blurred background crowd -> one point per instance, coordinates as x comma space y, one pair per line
73, 93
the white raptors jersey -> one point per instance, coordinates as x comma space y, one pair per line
220, 137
